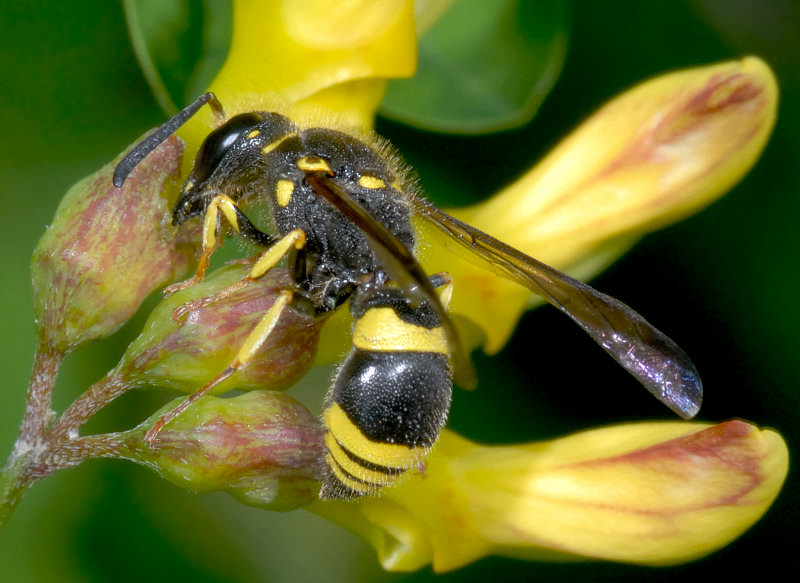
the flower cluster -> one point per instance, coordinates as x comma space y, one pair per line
650, 493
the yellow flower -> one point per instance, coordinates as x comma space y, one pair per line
647, 493
650, 157
650, 493
314, 59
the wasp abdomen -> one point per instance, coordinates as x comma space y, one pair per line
389, 399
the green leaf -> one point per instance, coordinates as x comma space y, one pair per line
483, 67
180, 45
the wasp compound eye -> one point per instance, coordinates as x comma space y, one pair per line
220, 141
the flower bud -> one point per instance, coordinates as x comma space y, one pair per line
185, 355
262, 447
649, 493
652, 156
107, 249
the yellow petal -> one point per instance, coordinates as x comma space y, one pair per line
655, 493
332, 56
654, 155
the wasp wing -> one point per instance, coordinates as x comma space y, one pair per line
649, 355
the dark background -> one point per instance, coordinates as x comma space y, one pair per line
722, 284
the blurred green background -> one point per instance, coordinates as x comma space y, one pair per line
722, 284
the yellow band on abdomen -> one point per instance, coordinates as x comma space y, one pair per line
383, 454
381, 329
353, 467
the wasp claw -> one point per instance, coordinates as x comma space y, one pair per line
180, 313
181, 285
151, 437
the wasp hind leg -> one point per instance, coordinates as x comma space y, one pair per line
293, 240
249, 347
445, 282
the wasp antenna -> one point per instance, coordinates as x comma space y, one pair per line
147, 145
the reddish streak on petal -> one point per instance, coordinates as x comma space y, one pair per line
737, 91
728, 444
722, 91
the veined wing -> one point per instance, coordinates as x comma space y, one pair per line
649, 355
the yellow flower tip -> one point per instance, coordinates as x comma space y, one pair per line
656, 503
291, 51
662, 150
650, 493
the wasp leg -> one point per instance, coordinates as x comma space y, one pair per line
270, 258
444, 281
249, 347
221, 206
295, 239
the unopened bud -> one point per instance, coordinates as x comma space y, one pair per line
262, 447
185, 355
107, 249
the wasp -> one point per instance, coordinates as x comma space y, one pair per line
341, 214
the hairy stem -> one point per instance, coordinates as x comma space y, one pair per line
38, 405
45, 446
88, 404
14, 482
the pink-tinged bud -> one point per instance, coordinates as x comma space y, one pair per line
262, 447
657, 153
185, 355
107, 249
648, 493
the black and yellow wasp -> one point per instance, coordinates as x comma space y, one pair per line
342, 221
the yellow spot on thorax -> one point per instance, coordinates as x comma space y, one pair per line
272, 145
314, 164
284, 191
372, 182
253, 134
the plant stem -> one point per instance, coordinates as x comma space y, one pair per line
44, 446
14, 482
84, 407
38, 404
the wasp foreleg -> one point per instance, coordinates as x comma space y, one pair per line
220, 206
278, 249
